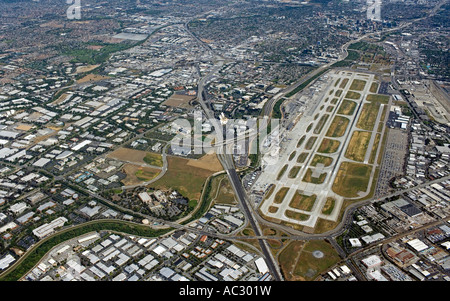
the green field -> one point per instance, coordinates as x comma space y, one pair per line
329, 206
296, 215
343, 83
300, 141
368, 116
282, 171
353, 95
302, 157
310, 179
292, 155
319, 159
294, 172
302, 202
358, 145
153, 159
337, 127
279, 196
298, 263
351, 179
310, 142
329, 146
374, 87
347, 107
358, 85
320, 124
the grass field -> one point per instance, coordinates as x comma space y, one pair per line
310, 142
296, 215
188, 180
330, 109
302, 202
374, 87
338, 93
279, 196
294, 172
298, 263
319, 159
343, 83
368, 116
273, 209
292, 155
320, 124
300, 141
329, 146
337, 127
347, 107
357, 146
378, 98
334, 101
373, 152
282, 171
310, 179
137, 174
337, 81
353, 95
358, 85
329, 206
153, 159
137, 156
351, 179
302, 157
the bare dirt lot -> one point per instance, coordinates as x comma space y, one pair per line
179, 101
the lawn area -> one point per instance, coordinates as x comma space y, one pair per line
351, 179
137, 174
302, 157
329, 146
188, 180
374, 87
282, 171
298, 263
337, 127
320, 124
329, 206
334, 101
319, 159
347, 107
338, 93
300, 141
368, 116
310, 142
279, 196
310, 179
373, 152
294, 172
296, 215
357, 146
343, 83
292, 155
358, 85
353, 95
303, 202
378, 98
153, 159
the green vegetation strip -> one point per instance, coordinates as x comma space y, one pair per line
32, 257
306, 83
